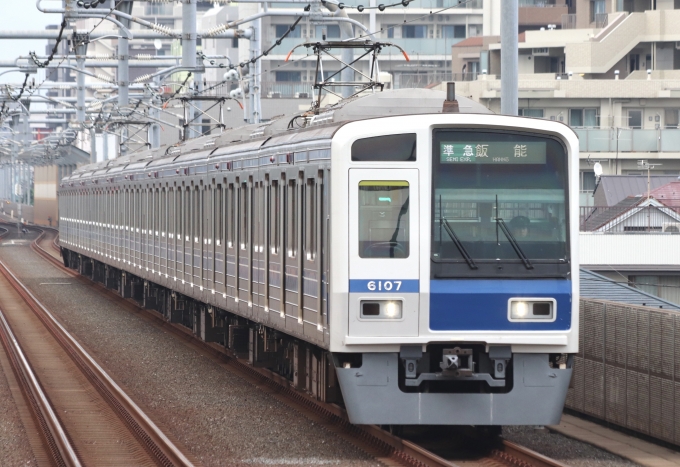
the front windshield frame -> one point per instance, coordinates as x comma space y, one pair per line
514, 261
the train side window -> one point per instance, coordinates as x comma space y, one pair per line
217, 216
292, 218
145, 209
231, 231
196, 224
170, 227
185, 217
383, 219
310, 219
393, 148
208, 229
274, 217
164, 212
158, 209
244, 211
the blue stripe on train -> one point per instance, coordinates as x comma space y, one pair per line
392, 286
482, 305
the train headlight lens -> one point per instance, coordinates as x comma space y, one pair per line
532, 309
520, 309
381, 309
392, 309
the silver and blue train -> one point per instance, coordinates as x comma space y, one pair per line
418, 266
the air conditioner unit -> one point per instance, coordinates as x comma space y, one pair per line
543, 51
671, 227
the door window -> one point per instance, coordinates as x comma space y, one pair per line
383, 219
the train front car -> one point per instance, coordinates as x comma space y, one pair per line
454, 279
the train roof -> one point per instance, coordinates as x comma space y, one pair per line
287, 129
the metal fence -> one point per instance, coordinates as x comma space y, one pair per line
601, 20
627, 371
569, 21
634, 219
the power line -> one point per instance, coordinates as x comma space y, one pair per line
23, 88
381, 7
44, 64
432, 12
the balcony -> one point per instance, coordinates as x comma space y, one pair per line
413, 47
628, 140
416, 47
541, 12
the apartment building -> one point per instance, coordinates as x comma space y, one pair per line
615, 80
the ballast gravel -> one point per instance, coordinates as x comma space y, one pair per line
562, 448
15, 449
219, 417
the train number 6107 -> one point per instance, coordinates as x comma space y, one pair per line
384, 285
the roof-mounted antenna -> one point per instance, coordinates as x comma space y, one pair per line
450, 104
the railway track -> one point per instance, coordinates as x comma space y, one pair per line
83, 416
389, 449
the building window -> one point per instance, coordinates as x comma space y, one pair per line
584, 118
413, 31
332, 31
587, 180
535, 113
295, 76
390, 31
634, 62
635, 119
671, 118
474, 30
597, 9
282, 28
152, 9
454, 32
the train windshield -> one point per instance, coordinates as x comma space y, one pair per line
499, 204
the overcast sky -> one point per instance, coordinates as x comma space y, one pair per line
22, 15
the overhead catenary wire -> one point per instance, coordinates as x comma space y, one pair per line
432, 12
381, 7
60, 37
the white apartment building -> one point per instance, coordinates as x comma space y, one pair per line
616, 82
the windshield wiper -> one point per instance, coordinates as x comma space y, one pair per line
468, 259
500, 222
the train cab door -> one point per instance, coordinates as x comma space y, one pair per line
384, 246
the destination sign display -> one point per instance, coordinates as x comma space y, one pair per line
480, 152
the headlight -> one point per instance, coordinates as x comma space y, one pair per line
381, 309
532, 309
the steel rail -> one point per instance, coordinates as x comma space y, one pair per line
145, 430
513, 452
402, 451
50, 427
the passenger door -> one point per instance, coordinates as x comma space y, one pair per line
384, 252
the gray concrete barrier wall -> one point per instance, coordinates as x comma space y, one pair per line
11, 209
627, 371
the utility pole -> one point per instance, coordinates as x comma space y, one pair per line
123, 69
155, 113
253, 105
189, 36
509, 56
